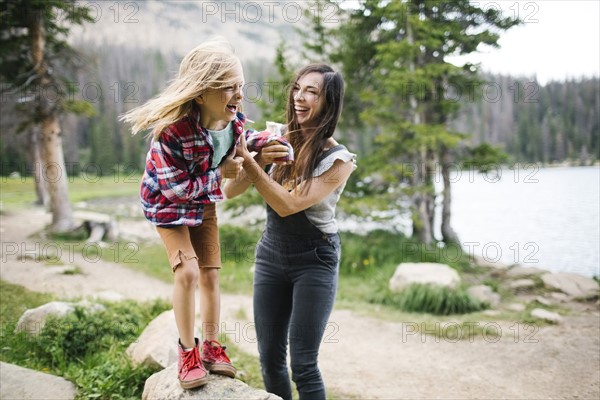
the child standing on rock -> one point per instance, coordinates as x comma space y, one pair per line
196, 122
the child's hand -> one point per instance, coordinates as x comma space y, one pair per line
231, 166
241, 150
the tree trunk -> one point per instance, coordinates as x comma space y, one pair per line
421, 215
421, 226
53, 163
422, 201
448, 234
41, 191
56, 176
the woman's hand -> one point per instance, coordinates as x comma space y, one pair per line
272, 152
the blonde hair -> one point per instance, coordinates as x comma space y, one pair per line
208, 66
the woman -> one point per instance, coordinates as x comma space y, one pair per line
297, 258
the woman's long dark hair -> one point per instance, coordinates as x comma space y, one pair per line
308, 149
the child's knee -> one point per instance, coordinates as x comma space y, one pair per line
187, 273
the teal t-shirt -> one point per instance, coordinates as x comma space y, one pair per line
222, 141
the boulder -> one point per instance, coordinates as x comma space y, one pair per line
164, 385
484, 294
33, 320
522, 272
485, 263
574, 285
546, 315
157, 345
544, 301
560, 297
522, 284
26, 384
518, 307
423, 273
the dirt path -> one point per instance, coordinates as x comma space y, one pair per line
365, 358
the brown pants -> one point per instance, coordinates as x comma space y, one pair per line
200, 242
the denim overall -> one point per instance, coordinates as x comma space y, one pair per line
295, 283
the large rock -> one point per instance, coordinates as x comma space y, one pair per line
26, 384
423, 273
485, 263
523, 272
546, 315
484, 294
574, 285
33, 320
157, 345
164, 385
522, 284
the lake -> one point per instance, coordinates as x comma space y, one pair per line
546, 218
538, 217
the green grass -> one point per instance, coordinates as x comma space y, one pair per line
237, 254
15, 300
362, 254
18, 193
237, 250
87, 349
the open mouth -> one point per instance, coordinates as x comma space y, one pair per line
300, 109
232, 108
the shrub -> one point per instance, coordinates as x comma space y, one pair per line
88, 348
430, 299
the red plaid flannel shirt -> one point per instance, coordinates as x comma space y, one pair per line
178, 180
255, 141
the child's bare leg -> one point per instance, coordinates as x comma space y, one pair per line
184, 291
210, 302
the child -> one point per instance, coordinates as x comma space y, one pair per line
195, 123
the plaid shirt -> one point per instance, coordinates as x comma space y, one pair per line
178, 180
255, 141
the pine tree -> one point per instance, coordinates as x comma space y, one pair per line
394, 54
32, 42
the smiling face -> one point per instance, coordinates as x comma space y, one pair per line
309, 99
219, 106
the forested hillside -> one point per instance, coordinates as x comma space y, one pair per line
533, 123
132, 49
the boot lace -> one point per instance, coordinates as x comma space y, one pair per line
191, 360
217, 352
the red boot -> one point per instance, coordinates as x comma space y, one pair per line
215, 360
191, 373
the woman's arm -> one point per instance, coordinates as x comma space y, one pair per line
287, 203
